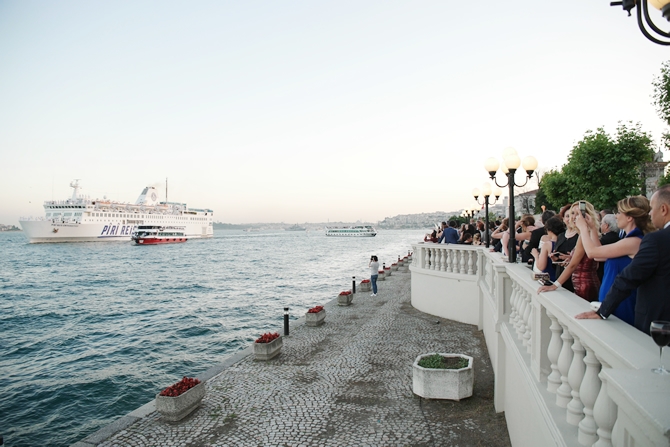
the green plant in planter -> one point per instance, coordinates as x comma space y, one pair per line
437, 361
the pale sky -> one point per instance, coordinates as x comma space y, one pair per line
305, 111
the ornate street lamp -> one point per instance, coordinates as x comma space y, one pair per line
648, 26
510, 164
486, 192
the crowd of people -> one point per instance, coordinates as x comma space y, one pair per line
620, 259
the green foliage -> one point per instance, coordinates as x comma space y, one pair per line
542, 199
601, 169
436, 361
661, 98
664, 180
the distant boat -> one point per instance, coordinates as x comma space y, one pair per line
153, 235
295, 227
357, 231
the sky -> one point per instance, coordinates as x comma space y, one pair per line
306, 111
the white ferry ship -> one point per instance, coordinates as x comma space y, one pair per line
80, 219
357, 231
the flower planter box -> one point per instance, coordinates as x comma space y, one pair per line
401, 262
345, 298
267, 351
380, 275
315, 319
365, 286
394, 267
434, 383
174, 409
387, 271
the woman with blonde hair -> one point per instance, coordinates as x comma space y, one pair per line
633, 218
581, 269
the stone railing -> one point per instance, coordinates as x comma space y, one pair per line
560, 381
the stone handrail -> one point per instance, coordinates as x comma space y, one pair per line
560, 381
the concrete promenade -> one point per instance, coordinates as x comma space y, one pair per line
345, 383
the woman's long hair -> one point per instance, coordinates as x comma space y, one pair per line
638, 208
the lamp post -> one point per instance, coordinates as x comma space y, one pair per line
511, 162
648, 26
486, 192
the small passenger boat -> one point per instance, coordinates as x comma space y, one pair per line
153, 235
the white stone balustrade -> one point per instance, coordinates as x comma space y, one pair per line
560, 381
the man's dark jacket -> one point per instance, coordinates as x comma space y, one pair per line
650, 273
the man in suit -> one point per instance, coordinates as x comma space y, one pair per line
450, 234
535, 236
649, 272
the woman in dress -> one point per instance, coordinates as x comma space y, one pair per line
553, 228
374, 273
565, 246
582, 270
633, 218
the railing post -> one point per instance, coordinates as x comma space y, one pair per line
588, 392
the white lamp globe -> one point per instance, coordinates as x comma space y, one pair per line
492, 164
497, 191
512, 161
486, 189
530, 162
475, 193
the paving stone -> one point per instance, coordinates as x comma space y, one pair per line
345, 383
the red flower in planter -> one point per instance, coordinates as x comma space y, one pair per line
381, 271
267, 337
387, 268
180, 387
365, 281
315, 310
346, 292
395, 263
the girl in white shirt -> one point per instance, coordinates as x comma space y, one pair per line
374, 273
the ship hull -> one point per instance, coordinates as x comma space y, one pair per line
43, 231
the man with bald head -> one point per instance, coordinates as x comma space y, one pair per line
649, 272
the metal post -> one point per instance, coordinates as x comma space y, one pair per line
353, 284
512, 223
488, 232
286, 322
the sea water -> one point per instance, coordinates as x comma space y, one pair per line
91, 331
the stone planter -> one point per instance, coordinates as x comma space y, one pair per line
387, 271
315, 319
365, 286
267, 351
174, 409
452, 384
380, 275
345, 299
394, 267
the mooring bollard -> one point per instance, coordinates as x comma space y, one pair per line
286, 321
353, 284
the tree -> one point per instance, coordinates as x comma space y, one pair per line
661, 99
601, 169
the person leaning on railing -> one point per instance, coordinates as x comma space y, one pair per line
581, 269
553, 227
633, 218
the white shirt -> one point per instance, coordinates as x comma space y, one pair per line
374, 268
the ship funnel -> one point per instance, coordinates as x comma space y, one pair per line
148, 197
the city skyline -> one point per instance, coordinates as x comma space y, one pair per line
303, 112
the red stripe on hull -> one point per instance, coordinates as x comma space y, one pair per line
156, 241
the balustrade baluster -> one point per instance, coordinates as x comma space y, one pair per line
426, 260
461, 264
521, 324
588, 392
513, 303
575, 376
438, 258
604, 413
450, 266
563, 393
433, 255
471, 262
528, 318
553, 351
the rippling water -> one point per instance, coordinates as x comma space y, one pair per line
91, 331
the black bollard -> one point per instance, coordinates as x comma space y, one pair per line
286, 322
353, 284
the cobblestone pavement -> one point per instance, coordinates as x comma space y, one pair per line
345, 383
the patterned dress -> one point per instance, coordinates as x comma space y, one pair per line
585, 279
